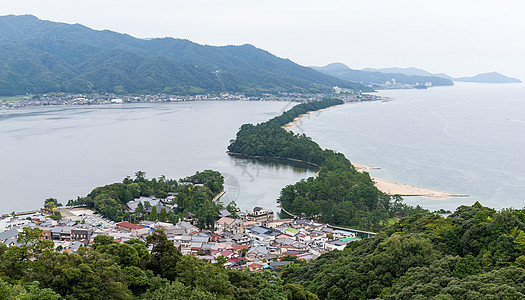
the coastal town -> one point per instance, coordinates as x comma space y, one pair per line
251, 240
61, 99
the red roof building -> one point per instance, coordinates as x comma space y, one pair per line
238, 248
134, 229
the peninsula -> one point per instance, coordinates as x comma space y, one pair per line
339, 195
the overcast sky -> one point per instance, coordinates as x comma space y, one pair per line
459, 37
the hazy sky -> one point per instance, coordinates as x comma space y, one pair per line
459, 37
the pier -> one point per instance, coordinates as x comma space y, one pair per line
219, 195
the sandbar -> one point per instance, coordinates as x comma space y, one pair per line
395, 188
385, 186
297, 121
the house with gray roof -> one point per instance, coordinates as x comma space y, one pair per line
257, 253
7, 235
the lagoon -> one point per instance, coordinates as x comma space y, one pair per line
65, 152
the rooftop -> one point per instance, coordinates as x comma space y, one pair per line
129, 225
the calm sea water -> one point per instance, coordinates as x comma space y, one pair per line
65, 152
466, 139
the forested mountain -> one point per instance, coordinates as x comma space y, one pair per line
38, 56
342, 71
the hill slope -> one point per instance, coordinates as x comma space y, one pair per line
39, 56
475, 253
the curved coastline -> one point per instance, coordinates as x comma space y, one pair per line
298, 118
386, 186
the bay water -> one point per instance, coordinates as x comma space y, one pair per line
464, 139
65, 152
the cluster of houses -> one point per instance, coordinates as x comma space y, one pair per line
68, 235
252, 240
346, 95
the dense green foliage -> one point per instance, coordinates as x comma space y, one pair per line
39, 56
475, 253
194, 194
29, 291
339, 195
109, 270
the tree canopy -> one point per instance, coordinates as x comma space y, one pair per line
470, 254
111, 270
193, 194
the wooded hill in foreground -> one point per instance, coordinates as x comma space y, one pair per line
110, 270
475, 253
38, 56
339, 195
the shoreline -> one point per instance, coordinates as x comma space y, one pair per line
242, 155
401, 189
297, 119
386, 186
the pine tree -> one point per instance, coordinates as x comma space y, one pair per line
153, 214
163, 215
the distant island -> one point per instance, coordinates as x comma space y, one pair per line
492, 77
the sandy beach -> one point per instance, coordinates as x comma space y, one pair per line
395, 188
297, 121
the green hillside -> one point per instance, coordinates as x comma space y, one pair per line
39, 56
475, 253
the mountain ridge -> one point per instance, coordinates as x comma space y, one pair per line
169, 65
380, 79
490, 77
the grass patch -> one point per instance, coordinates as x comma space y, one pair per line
12, 99
392, 221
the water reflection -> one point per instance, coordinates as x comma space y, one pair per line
259, 181
66, 152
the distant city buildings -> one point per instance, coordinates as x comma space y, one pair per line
54, 99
